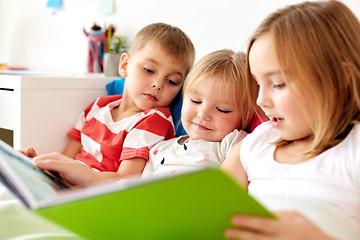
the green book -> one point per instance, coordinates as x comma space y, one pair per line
194, 205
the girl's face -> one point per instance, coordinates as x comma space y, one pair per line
209, 114
275, 98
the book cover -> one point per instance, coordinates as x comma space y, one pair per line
194, 205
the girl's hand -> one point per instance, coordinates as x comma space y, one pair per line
29, 152
288, 225
71, 171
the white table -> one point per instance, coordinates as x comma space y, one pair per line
38, 110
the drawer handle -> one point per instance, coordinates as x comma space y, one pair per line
7, 89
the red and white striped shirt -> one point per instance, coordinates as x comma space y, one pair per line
106, 143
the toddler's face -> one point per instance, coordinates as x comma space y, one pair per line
282, 106
209, 114
153, 77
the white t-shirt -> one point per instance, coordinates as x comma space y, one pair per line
333, 177
177, 155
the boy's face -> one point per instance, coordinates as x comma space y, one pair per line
209, 114
153, 77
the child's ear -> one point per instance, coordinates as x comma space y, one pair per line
124, 60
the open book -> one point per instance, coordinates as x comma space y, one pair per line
194, 205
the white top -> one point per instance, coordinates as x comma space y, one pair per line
333, 177
177, 155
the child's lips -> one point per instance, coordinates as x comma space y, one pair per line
201, 127
275, 122
150, 96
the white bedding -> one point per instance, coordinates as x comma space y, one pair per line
19, 223
328, 218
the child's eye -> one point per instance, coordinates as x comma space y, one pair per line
148, 70
222, 111
172, 82
278, 86
195, 101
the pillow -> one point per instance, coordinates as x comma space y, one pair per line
116, 87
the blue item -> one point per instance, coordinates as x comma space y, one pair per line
116, 87
54, 4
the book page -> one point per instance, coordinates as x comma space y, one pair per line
24, 178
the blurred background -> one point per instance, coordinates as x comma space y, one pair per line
50, 39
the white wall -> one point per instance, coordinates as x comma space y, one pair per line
31, 35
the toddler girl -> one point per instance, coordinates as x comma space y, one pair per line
215, 110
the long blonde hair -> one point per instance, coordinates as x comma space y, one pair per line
228, 67
318, 47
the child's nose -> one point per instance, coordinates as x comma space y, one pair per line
158, 84
204, 113
262, 99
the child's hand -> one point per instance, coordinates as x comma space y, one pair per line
288, 225
29, 152
73, 172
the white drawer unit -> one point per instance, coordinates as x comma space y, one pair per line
38, 110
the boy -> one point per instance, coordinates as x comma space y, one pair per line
114, 134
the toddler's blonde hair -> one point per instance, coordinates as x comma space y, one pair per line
228, 67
